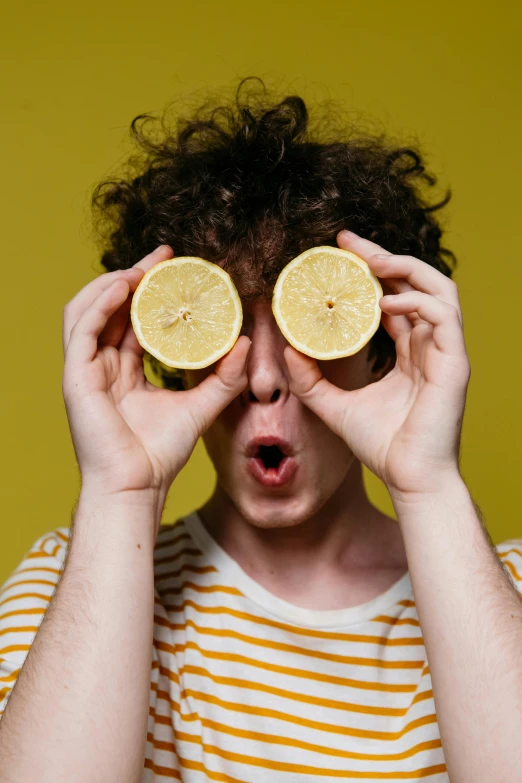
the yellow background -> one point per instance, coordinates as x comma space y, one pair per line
447, 73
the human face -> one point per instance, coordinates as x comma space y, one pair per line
277, 461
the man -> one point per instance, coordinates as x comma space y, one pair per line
288, 630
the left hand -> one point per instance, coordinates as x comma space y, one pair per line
405, 427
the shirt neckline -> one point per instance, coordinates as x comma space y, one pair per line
281, 609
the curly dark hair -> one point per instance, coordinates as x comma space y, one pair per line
253, 182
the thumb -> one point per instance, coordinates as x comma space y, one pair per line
228, 380
307, 383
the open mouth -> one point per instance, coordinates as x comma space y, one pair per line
270, 456
271, 461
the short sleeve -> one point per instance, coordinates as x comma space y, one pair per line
510, 553
24, 599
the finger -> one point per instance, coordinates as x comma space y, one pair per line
162, 253
410, 319
74, 309
421, 276
358, 245
129, 342
307, 383
83, 342
227, 381
84, 298
394, 285
396, 325
115, 328
447, 328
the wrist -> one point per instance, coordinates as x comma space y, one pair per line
445, 485
137, 512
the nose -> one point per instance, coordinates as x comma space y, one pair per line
266, 369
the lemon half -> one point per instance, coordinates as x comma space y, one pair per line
326, 302
186, 312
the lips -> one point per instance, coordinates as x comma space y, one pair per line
271, 461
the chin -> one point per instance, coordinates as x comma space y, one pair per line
268, 511
265, 502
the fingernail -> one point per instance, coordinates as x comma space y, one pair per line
347, 234
160, 249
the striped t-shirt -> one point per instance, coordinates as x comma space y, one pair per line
247, 688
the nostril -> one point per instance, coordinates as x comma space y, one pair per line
275, 396
251, 396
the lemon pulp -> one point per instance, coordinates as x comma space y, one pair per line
186, 312
326, 302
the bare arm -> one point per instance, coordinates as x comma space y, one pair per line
79, 709
471, 620
78, 712
406, 428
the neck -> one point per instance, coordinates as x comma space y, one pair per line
343, 543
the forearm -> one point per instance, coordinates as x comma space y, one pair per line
79, 709
471, 620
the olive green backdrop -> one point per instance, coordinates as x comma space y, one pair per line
73, 78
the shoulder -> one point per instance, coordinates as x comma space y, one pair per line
24, 599
510, 554
45, 556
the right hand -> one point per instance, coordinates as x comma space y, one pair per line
128, 435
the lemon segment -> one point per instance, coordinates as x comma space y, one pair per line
326, 302
186, 312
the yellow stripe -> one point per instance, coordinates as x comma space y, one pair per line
513, 570
293, 696
15, 648
182, 553
17, 612
302, 769
39, 568
25, 595
166, 772
348, 659
199, 767
11, 677
289, 670
20, 629
383, 618
511, 551
277, 739
200, 589
405, 641
311, 724
30, 582
248, 684
62, 536
185, 567
182, 536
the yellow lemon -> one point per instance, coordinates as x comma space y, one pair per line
186, 312
326, 302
